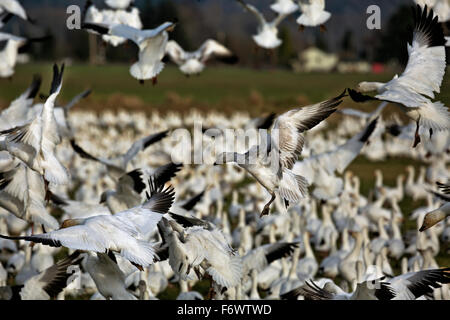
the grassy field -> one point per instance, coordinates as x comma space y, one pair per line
222, 88
226, 90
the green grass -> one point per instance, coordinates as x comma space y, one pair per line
223, 88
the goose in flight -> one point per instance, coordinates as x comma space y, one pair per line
267, 36
22, 193
12, 7
16, 113
313, 14
438, 215
151, 43
117, 166
440, 7
423, 76
367, 290
119, 4
192, 63
122, 233
201, 246
101, 267
284, 145
34, 143
320, 169
412, 285
115, 14
284, 6
132, 185
47, 284
61, 113
14, 46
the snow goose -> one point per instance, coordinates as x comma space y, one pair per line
151, 44
108, 277
61, 113
440, 7
261, 257
119, 4
13, 7
319, 169
117, 166
284, 6
193, 63
132, 187
396, 244
34, 143
412, 89
195, 247
413, 285
347, 265
186, 294
121, 233
283, 146
438, 215
267, 36
9, 54
368, 290
313, 14
16, 112
307, 266
23, 194
49, 283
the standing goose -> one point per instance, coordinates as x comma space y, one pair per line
267, 36
192, 63
313, 14
284, 146
423, 76
151, 43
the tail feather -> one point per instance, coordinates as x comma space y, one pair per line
142, 72
434, 116
314, 21
292, 187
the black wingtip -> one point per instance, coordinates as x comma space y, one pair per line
35, 86
57, 78
370, 129
138, 183
394, 130
191, 203
359, 97
95, 27
428, 24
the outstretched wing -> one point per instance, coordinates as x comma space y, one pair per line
175, 52
286, 136
426, 65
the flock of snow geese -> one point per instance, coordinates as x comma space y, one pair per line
81, 218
